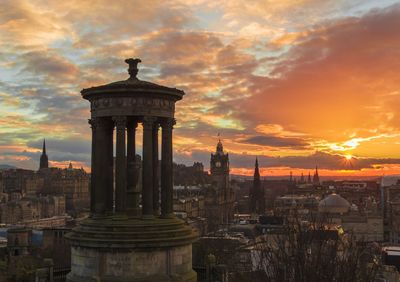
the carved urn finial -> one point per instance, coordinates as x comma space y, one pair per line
133, 67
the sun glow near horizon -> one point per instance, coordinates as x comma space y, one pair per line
348, 157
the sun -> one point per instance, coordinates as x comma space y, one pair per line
348, 157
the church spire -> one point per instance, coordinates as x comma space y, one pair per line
316, 176
44, 161
256, 170
44, 147
257, 201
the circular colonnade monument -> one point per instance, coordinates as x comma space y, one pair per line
124, 240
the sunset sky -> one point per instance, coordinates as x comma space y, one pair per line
296, 83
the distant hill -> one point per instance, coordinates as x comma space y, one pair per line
6, 166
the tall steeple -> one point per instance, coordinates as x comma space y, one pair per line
316, 176
257, 201
309, 177
44, 161
256, 170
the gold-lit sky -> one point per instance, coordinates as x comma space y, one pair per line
296, 83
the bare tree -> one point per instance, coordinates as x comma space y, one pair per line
311, 250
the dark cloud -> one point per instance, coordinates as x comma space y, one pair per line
275, 141
50, 64
320, 159
69, 145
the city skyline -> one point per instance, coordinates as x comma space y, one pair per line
314, 86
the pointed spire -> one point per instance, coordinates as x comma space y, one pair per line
44, 147
309, 177
44, 161
220, 147
291, 177
316, 176
256, 192
256, 170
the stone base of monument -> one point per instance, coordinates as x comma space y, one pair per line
117, 248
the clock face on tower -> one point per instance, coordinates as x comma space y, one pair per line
218, 164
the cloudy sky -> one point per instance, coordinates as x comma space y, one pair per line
297, 83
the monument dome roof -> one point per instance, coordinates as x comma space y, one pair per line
133, 85
334, 200
334, 203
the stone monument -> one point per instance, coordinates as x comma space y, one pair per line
131, 235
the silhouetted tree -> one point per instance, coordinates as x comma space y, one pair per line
311, 251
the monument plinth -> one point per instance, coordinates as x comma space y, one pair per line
131, 235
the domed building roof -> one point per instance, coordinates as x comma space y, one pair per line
334, 203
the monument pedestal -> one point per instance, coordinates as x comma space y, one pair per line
122, 249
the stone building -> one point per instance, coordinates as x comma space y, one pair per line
219, 197
73, 184
19, 241
14, 180
285, 203
34, 185
192, 206
391, 211
32, 208
69, 182
366, 226
190, 175
123, 240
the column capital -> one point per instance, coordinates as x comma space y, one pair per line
168, 123
101, 123
156, 126
94, 122
120, 121
148, 121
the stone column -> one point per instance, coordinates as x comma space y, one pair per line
109, 162
156, 190
93, 124
147, 183
120, 165
132, 196
166, 168
101, 175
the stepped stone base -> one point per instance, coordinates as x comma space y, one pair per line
122, 250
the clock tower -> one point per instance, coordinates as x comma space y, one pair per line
219, 166
220, 198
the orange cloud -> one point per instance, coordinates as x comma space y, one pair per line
275, 78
